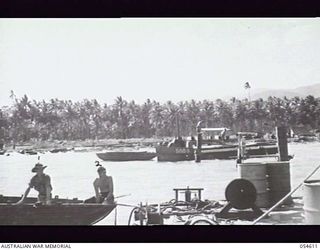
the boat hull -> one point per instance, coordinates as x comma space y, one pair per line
61, 212
211, 153
174, 154
126, 156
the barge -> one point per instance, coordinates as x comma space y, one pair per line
176, 153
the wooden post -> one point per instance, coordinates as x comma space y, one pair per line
197, 155
187, 195
141, 215
199, 194
239, 150
177, 195
282, 143
2, 131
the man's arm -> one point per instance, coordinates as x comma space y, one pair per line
24, 196
96, 190
110, 188
48, 190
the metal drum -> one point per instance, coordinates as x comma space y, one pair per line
256, 173
278, 178
311, 199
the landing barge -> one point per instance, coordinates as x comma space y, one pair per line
214, 147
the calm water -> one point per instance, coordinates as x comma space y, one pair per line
72, 175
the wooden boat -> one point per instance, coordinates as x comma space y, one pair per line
61, 212
165, 153
126, 156
28, 152
58, 150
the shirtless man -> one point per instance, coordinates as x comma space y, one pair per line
103, 187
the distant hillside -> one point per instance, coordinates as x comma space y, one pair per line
309, 90
289, 93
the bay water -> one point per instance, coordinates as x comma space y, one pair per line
72, 175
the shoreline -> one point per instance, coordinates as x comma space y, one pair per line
55, 146
83, 146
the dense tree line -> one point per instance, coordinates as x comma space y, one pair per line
88, 119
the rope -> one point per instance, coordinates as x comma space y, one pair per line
130, 216
115, 216
126, 205
120, 196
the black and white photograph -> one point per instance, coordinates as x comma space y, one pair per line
156, 122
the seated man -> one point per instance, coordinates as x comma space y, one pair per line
180, 142
103, 187
40, 182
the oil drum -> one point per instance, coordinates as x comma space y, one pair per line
256, 173
311, 198
278, 178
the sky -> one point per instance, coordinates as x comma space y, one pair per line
161, 59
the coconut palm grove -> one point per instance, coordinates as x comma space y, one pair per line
26, 119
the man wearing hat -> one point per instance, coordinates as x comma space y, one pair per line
103, 187
40, 182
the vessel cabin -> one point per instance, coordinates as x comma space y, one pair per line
214, 135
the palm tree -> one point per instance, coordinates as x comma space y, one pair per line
157, 118
122, 120
207, 113
224, 114
193, 115
171, 119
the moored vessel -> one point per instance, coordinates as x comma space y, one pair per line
126, 156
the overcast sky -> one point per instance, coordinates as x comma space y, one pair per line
161, 59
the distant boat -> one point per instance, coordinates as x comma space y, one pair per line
217, 143
58, 150
126, 156
165, 153
61, 212
28, 152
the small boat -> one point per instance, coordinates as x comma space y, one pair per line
28, 152
58, 150
2, 151
126, 156
61, 212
